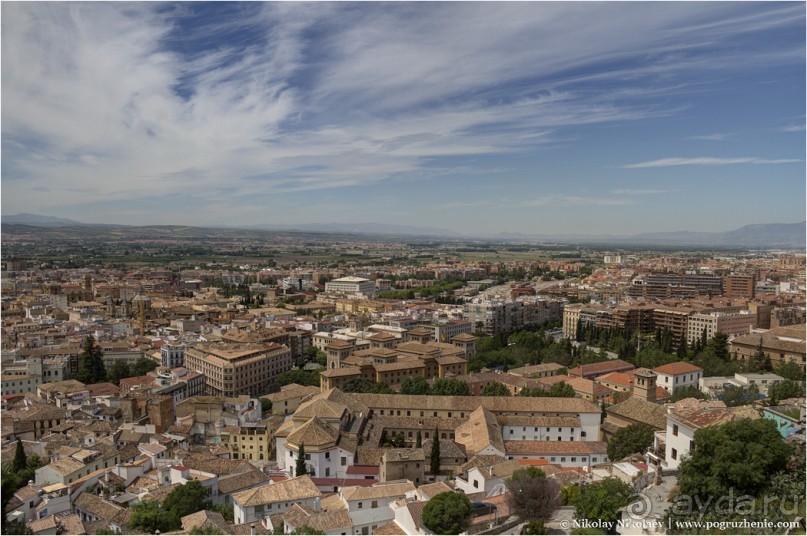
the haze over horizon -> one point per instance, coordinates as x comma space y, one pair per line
591, 118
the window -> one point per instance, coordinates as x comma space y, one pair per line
582, 434
563, 458
343, 461
327, 455
675, 429
374, 504
307, 456
476, 483
360, 505
674, 454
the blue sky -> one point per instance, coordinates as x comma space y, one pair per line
533, 117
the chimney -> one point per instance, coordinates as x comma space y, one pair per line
252, 529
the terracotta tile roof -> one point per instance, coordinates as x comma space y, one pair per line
93, 504
299, 516
601, 368
314, 433
241, 480
679, 367
205, 519
293, 489
427, 491
41, 525
481, 460
479, 432
544, 448
641, 411
390, 529
319, 407
589, 387
379, 490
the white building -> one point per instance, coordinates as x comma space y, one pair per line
676, 375
357, 286
257, 504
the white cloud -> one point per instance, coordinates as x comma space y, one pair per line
92, 111
711, 137
641, 191
708, 161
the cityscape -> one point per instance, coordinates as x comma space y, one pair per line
403, 268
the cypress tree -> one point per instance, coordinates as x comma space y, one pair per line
418, 441
299, 468
435, 454
20, 461
91, 362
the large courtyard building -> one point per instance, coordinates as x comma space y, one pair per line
355, 286
235, 369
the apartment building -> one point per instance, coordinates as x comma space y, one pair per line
506, 316
234, 369
731, 324
356, 286
780, 344
740, 285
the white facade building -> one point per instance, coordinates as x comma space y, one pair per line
358, 286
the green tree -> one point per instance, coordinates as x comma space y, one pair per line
415, 386
532, 495
300, 377
784, 390
20, 460
447, 513
632, 439
562, 389
299, 466
450, 387
226, 510
205, 529
434, 456
569, 494
150, 517
689, 391
143, 366
536, 526
91, 367
120, 369
789, 370
366, 385
736, 395
736, 457
602, 501
186, 499
495, 389
266, 406
760, 361
419, 440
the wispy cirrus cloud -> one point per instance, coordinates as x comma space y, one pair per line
711, 137
573, 200
709, 161
118, 102
643, 191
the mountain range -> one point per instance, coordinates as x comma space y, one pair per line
763, 235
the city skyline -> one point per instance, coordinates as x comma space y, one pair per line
473, 117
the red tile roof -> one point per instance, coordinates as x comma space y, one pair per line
679, 367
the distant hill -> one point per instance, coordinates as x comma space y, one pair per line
764, 235
37, 219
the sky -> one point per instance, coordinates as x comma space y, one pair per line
476, 117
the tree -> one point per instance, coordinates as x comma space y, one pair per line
299, 467
366, 385
20, 460
784, 390
789, 370
632, 439
187, 499
562, 389
143, 366
266, 406
419, 440
300, 377
434, 460
602, 500
737, 457
536, 526
119, 370
495, 389
447, 513
226, 510
736, 395
91, 367
690, 391
450, 387
532, 495
205, 529
569, 494
150, 517
760, 361
415, 386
